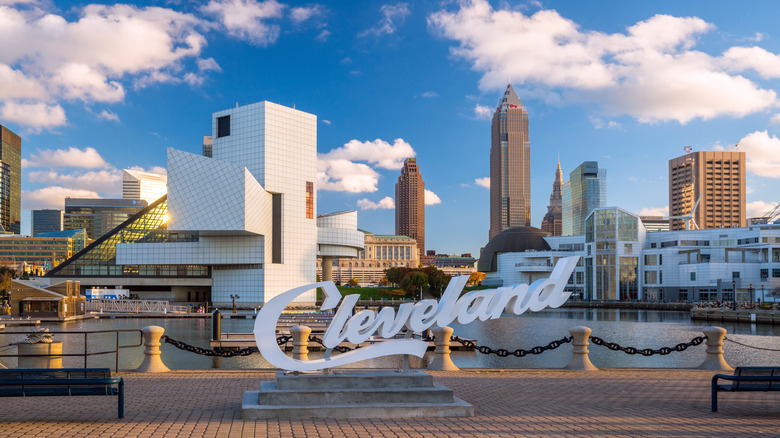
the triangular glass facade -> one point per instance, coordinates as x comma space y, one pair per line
147, 226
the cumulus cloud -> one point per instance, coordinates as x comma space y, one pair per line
87, 158
378, 153
598, 123
108, 182
247, 19
384, 203
208, 64
46, 58
52, 197
431, 198
345, 176
762, 153
759, 208
775, 120
483, 112
108, 115
654, 211
483, 182
392, 17
651, 71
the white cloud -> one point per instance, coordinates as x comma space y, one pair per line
323, 35
300, 14
384, 203
108, 115
108, 182
46, 58
52, 197
208, 64
483, 112
483, 182
651, 72
762, 153
759, 208
430, 94
431, 198
598, 123
327, 122
35, 115
392, 17
654, 211
247, 19
154, 169
87, 158
378, 153
345, 176
775, 120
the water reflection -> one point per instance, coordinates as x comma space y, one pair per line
637, 328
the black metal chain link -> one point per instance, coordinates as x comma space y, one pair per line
502, 352
648, 351
281, 340
339, 348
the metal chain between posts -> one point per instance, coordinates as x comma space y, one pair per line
339, 348
749, 346
281, 340
501, 352
648, 351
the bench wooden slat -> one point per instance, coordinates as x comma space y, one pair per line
746, 379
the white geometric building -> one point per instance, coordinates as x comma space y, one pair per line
245, 218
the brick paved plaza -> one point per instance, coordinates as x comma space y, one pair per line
507, 403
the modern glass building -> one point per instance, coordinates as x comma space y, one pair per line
44, 221
99, 216
10, 180
585, 191
510, 165
613, 241
41, 253
143, 185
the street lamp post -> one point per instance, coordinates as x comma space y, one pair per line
733, 294
750, 293
762, 293
234, 297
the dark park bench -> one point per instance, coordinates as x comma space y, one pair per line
61, 382
746, 379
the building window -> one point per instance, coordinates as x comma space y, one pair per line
775, 273
309, 200
764, 274
223, 126
628, 248
693, 276
734, 275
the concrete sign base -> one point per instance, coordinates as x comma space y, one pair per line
353, 394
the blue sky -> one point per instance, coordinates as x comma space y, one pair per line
97, 87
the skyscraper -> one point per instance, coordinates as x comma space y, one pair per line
143, 185
585, 191
410, 204
510, 165
10, 180
553, 220
44, 221
716, 180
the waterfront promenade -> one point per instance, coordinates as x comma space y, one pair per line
620, 403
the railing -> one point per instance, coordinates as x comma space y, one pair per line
86, 353
135, 306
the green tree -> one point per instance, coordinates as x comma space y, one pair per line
394, 275
6, 275
419, 281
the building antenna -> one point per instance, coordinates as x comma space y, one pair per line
688, 149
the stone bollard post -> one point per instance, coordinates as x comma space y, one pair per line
152, 362
441, 360
300, 335
714, 359
579, 354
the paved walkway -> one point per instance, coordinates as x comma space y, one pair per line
620, 403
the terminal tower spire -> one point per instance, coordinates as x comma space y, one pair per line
553, 220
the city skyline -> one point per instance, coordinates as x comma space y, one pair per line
396, 80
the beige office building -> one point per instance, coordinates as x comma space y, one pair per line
716, 180
379, 253
510, 165
410, 204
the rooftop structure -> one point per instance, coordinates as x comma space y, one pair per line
143, 185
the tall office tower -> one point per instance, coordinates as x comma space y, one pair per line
716, 180
510, 165
99, 216
585, 190
208, 144
44, 221
10, 180
143, 185
553, 220
410, 205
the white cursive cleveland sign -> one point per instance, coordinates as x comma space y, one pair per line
417, 317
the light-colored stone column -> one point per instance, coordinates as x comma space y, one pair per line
714, 359
579, 354
441, 360
152, 362
327, 268
49, 349
300, 335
